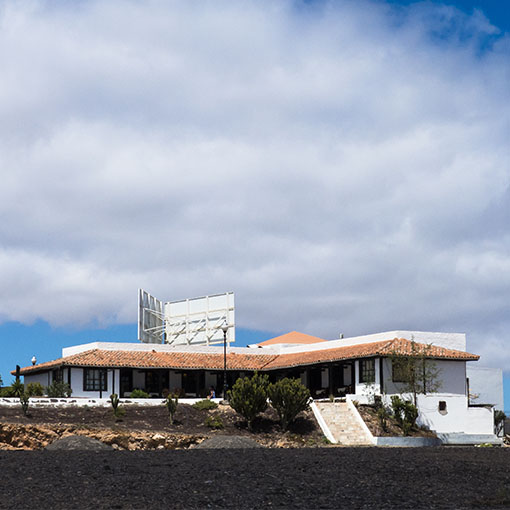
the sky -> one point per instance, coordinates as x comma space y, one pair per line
342, 166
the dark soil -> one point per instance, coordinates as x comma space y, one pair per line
258, 478
369, 415
187, 420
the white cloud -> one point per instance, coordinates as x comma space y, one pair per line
342, 166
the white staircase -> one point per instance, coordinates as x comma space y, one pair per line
343, 424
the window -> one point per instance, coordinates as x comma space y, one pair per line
94, 379
400, 370
367, 371
58, 375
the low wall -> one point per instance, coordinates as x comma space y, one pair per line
95, 402
470, 439
407, 442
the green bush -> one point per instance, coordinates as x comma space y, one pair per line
171, 403
7, 392
288, 397
59, 389
136, 393
248, 396
214, 422
383, 416
34, 389
397, 406
205, 405
405, 413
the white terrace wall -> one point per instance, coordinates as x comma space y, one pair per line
457, 417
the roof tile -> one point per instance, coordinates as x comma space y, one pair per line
255, 361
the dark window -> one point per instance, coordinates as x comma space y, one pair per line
94, 379
400, 370
58, 375
367, 371
189, 382
442, 405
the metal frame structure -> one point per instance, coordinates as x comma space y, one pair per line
196, 321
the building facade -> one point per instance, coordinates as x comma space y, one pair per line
356, 368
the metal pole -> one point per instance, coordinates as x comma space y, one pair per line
224, 365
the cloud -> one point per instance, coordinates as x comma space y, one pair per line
343, 166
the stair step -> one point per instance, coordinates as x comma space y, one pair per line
343, 423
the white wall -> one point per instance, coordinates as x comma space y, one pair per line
487, 384
458, 416
77, 384
449, 340
363, 390
452, 376
139, 347
41, 377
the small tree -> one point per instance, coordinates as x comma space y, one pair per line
18, 389
171, 403
417, 371
118, 411
288, 397
24, 400
383, 415
499, 421
248, 396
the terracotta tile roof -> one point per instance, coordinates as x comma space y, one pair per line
255, 361
294, 337
397, 346
153, 359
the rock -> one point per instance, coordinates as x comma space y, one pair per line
78, 443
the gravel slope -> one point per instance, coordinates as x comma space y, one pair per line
257, 478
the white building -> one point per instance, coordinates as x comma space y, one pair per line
350, 367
